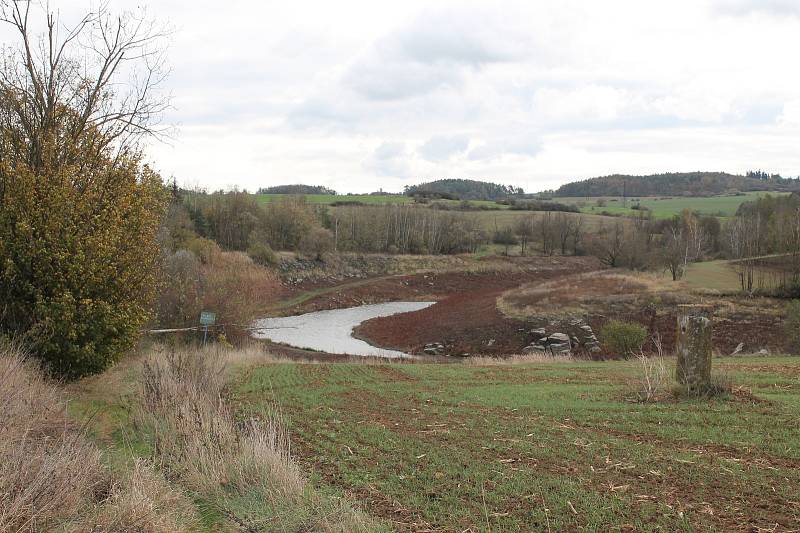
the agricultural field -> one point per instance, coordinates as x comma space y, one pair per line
545, 446
665, 207
491, 220
661, 207
328, 199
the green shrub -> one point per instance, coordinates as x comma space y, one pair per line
79, 260
792, 324
262, 254
625, 338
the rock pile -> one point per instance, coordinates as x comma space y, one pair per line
434, 348
578, 336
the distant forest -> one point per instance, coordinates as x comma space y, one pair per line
296, 189
461, 189
678, 184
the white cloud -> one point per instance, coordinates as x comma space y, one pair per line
390, 159
356, 93
514, 147
590, 102
790, 116
766, 7
442, 147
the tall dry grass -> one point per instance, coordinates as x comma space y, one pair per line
52, 476
243, 469
518, 359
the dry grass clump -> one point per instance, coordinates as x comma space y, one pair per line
143, 503
653, 381
51, 475
242, 469
720, 385
587, 292
519, 359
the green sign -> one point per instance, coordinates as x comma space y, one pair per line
207, 318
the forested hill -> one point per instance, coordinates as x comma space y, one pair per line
463, 189
296, 189
677, 184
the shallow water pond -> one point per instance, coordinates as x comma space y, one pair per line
332, 331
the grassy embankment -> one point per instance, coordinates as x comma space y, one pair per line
554, 445
152, 445
54, 477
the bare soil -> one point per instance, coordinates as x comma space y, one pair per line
489, 307
465, 318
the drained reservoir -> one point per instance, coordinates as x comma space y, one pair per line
332, 330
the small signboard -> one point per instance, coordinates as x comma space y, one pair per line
207, 318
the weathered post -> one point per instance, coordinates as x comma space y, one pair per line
693, 346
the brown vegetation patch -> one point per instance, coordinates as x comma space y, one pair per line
465, 318
650, 300
579, 294
52, 476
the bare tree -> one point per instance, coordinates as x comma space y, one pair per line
610, 244
67, 87
524, 230
673, 251
565, 225
546, 227
577, 234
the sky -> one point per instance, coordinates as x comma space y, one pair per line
361, 96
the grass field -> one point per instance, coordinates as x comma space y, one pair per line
661, 207
544, 447
491, 220
331, 198
716, 275
499, 218
666, 207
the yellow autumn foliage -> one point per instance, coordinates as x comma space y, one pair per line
78, 254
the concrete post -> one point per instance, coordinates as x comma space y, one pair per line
693, 346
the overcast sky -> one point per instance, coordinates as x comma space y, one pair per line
365, 95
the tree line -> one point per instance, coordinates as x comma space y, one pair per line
768, 226
296, 189
463, 189
676, 184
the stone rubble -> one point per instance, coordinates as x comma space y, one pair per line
572, 335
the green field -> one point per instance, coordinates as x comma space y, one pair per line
490, 220
331, 198
544, 446
664, 207
661, 207
716, 275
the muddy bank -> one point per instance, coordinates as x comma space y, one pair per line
465, 318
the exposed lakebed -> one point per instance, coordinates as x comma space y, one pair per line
331, 331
